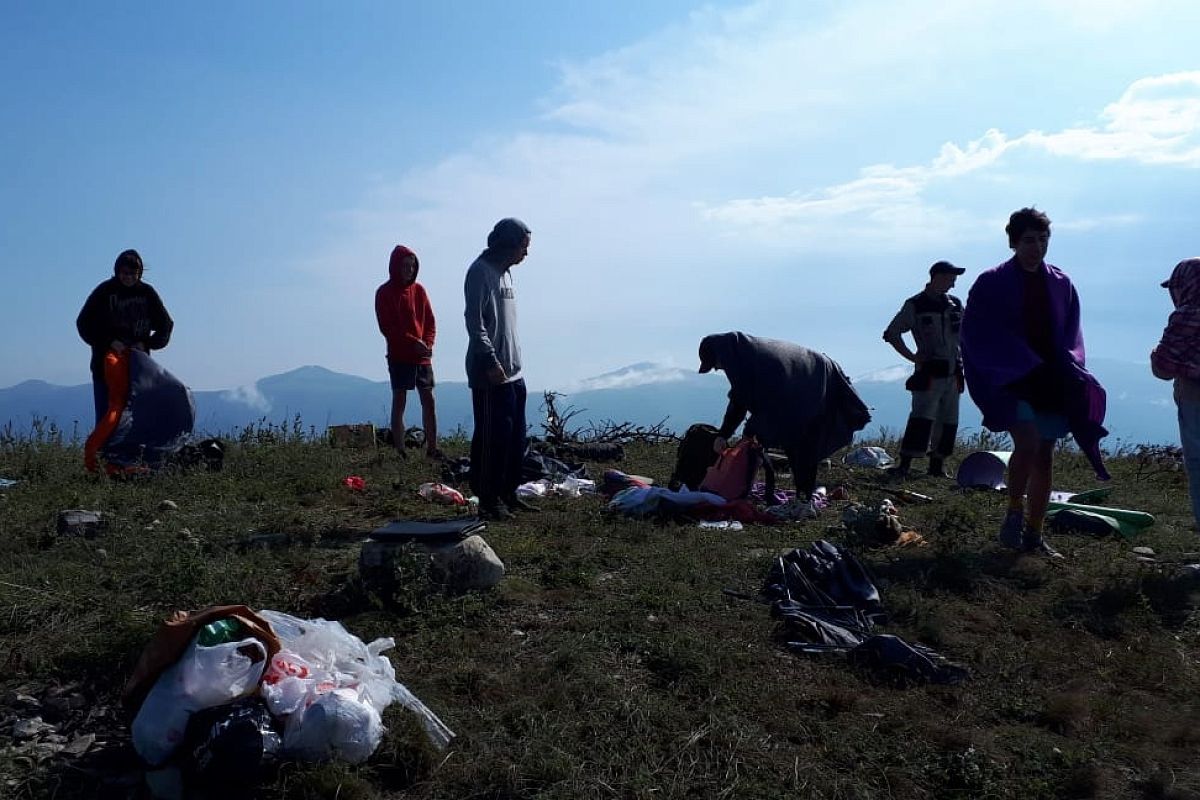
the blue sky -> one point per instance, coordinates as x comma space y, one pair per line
787, 169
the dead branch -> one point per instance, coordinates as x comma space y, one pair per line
558, 430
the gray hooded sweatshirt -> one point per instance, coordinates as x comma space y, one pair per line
491, 316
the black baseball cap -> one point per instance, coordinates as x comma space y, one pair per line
945, 268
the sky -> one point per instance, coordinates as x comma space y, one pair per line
788, 169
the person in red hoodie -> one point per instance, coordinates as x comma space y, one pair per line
406, 322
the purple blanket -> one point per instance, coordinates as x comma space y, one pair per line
996, 353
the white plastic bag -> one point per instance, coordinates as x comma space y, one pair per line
215, 675
337, 725
534, 488
202, 678
288, 683
573, 487
160, 723
320, 658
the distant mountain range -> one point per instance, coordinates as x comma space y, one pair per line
1140, 409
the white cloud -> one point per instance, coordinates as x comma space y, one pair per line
248, 395
1156, 121
641, 374
1099, 223
895, 374
661, 178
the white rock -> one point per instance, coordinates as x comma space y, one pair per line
469, 564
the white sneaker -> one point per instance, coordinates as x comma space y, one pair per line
796, 510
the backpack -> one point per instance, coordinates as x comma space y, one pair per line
694, 457
733, 474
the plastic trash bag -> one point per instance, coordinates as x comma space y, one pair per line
573, 486
338, 725
287, 683
867, 456
227, 745
320, 658
539, 488
202, 678
441, 493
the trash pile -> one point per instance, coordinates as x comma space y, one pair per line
879, 526
826, 603
223, 692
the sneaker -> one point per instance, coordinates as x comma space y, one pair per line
897, 472
1033, 542
1011, 528
516, 503
495, 512
936, 470
795, 510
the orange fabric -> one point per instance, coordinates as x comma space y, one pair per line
116, 378
405, 317
173, 637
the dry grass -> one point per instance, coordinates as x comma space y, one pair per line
609, 663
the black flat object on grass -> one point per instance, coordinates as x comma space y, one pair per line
411, 530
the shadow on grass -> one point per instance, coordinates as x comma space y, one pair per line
1108, 611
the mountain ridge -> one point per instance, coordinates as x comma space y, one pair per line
645, 393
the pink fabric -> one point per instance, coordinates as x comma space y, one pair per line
1177, 354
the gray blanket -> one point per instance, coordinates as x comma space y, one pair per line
796, 397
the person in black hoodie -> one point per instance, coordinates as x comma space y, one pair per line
122, 312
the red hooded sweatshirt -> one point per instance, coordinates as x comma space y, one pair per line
403, 312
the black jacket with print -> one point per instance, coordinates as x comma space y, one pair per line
127, 314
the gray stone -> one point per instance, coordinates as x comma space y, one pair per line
460, 565
468, 564
21, 700
80, 745
265, 541
168, 505
78, 522
29, 728
1142, 551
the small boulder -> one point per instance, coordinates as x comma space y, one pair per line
467, 564
168, 505
30, 728
78, 522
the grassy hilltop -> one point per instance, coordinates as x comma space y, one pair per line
609, 663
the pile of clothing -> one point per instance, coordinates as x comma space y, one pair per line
826, 602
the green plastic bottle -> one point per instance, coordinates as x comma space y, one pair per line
220, 631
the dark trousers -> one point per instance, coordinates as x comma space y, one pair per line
100, 396
498, 443
803, 463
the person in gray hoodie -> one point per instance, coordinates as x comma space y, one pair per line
494, 372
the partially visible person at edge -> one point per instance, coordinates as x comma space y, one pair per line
799, 401
1024, 359
494, 372
406, 321
933, 316
1177, 357
122, 312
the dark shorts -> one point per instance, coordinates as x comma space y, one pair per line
410, 376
